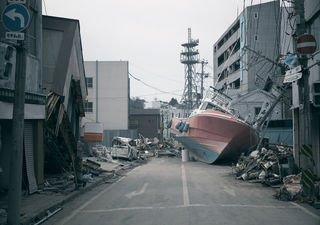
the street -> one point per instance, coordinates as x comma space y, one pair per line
167, 191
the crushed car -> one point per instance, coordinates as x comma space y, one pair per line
124, 148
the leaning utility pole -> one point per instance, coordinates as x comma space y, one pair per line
302, 123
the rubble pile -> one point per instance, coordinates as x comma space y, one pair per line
264, 164
154, 144
57, 184
272, 168
153, 147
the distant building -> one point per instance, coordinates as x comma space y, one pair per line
146, 122
155, 104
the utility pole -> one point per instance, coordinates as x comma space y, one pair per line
16, 153
203, 62
302, 114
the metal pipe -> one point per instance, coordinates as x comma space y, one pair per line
48, 216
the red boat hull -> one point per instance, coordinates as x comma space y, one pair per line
213, 135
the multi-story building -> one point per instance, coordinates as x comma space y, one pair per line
108, 94
257, 27
108, 97
248, 66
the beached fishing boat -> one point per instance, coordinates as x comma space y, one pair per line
214, 131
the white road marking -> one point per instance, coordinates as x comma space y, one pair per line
306, 211
76, 211
130, 195
261, 206
186, 206
112, 210
184, 187
229, 191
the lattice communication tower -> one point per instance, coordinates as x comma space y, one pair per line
190, 57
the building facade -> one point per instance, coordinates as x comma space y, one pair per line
312, 22
108, 99
240, 58
34, 109
257, 28
108, 94
146, 121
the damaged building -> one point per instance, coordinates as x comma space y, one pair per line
65, 87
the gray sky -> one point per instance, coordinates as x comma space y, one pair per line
149, 34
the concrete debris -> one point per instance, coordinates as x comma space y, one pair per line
291, 190
56, 183
87, 177
3, 212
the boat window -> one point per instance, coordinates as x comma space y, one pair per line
210, 106
204, 105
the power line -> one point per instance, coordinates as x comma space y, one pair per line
154, 73
164, 92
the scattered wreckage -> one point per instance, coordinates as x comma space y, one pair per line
273, 168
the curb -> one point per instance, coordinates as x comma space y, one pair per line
43, 213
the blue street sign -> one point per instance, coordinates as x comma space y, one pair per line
292, 59
15, 17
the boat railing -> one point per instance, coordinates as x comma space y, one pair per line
219, 98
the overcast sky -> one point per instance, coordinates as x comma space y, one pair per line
148, 34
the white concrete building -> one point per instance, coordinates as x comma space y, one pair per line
155, 104
108, 94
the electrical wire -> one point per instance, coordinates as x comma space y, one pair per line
154, 73
164, 92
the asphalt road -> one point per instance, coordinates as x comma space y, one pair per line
167, 191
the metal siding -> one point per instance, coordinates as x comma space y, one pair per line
28, 148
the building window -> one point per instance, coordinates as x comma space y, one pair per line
257, 110
89, 82
256, 15
150, 121
88, 107
134, 123
256, 38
